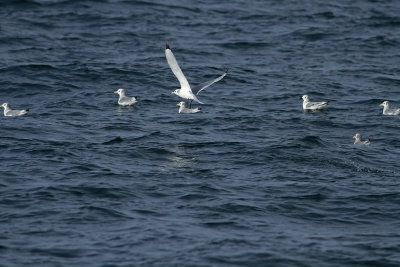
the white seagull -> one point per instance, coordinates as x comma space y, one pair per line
361, 142
125, 100
13, 113
307, 105
183, 108
186, 91
389, 111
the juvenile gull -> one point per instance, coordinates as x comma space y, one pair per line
307, 105
13, 113
389, 111
125, 100
358, 140
186, 91
183, 108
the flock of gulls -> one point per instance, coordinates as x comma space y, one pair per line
190, 94
308, 105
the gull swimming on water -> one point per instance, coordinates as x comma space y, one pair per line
125, 100
361, 142
184, 108
307, 105
13, 113
186, 92
389, 111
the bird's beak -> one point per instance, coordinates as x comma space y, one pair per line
1, 106
381, 105
178, 104
354, 137
116, 92
172, 93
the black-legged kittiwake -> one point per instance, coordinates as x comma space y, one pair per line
186, 92
389, 111
307, 105
13, 113
358, 140
183, 108
125, 100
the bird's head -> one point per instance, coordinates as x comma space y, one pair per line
385, 104
120, 91
181, 104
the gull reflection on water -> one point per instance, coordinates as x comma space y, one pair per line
122, 109
178, 158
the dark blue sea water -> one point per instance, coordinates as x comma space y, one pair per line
250, 181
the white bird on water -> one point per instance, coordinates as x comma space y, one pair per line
13, 113
358, 140
183, 108
186, 92
389, 111
125, 100
307, 105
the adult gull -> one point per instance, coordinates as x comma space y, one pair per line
187, 92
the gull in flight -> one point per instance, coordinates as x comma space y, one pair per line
125, 100
183, 108
389, 111
361, 142
13, 113
307, 105
186, 92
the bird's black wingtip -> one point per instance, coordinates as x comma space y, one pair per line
27, 109
199, 108
167, 46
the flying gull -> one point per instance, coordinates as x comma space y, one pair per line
186, 92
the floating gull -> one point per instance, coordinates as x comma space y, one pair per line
389, 111
307, 105
125, 100
184, 108
13, 113
360, 142
186, 91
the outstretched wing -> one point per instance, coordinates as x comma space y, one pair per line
173, 64
198, 88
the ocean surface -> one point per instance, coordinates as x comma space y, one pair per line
252, 180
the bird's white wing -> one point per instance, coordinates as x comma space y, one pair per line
396, 111
198, 88
173, 64
15, 113
316, 105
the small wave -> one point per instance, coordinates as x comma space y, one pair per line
244, 45
114, 141
35, 67
57, 252
310, 139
